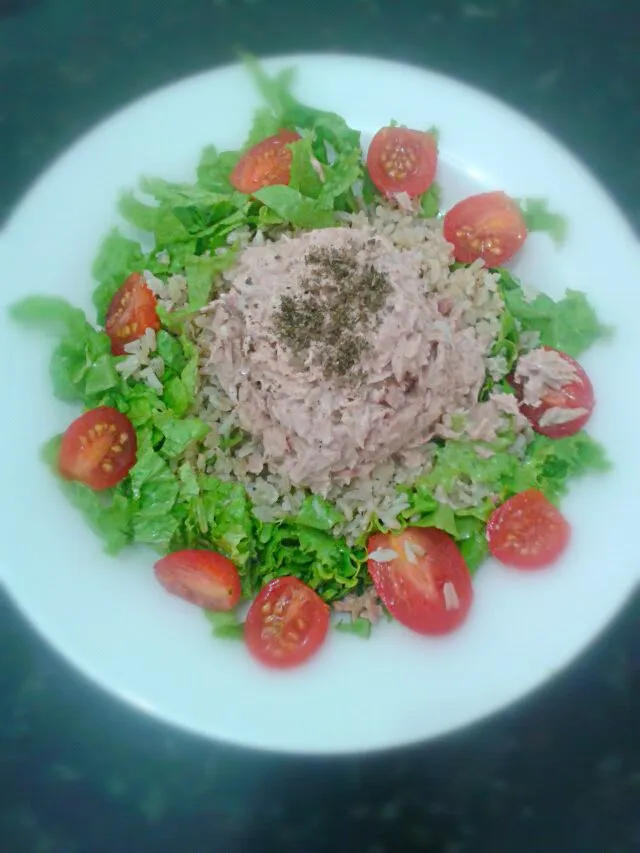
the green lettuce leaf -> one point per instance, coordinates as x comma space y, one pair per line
335, 189
265, 123
159, 220
186, 220
50, 314
291, 206
304, 177
215, 168
538, 217
552, 463
359, 627
318, 513
179, 433
189, 484
117, 258
324, 562
229, 521
108, 514
430, 202
101, 376
225, 625
155, 490
331, 131
141, 404
81, 366
570, 324
340, 177
201, 272
176, 396
171, 351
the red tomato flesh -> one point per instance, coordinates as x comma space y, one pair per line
402, 160
286, 623
204, 578
422, 578
266, 164
98, 448
132, 311
488, 226
527, 531
577, 394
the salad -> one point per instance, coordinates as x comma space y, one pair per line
310, 390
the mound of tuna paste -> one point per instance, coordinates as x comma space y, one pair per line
343, 347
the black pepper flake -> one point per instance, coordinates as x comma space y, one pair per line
338, 303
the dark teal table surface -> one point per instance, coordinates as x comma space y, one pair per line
559, 773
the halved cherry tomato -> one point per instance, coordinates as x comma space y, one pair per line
202, 577
577, 394
488, 226
286, 624
422, 578
402, 160
98, 448
266, 164
527, 531
132, 311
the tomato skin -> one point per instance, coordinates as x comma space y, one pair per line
578, 394
402, 160
98, 448
414, 593
266, 164
527, 531
131, 312
488, 226
204, 578
286, 623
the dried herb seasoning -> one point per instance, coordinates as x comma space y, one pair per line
335, 307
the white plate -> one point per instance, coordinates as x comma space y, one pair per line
111, 620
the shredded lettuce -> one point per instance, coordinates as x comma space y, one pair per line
106, 513
117, 258
322, 560
185, 219
538, 217
570, 324
225, 625
215, 168
81, 366
318, 513
430, 202
358, 627
297, 209
548, 465
331, 131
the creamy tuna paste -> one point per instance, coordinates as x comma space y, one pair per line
337, 352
